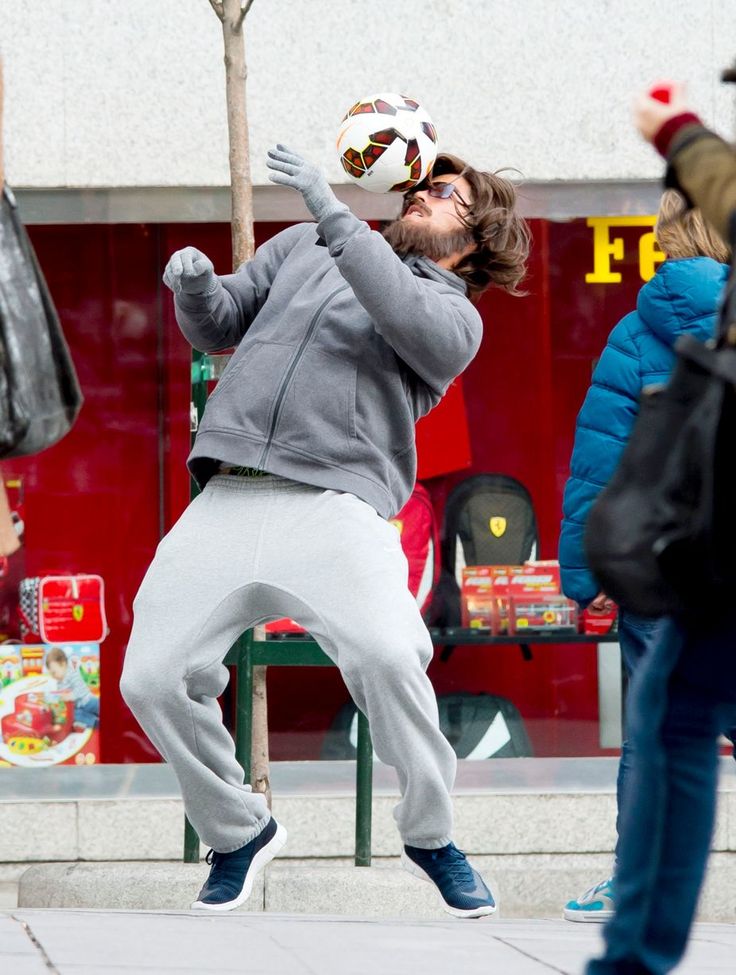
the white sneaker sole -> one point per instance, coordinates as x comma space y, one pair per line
587, 917
259, 861
416, 871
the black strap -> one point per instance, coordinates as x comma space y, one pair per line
726, 331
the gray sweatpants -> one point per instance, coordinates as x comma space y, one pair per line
252, 549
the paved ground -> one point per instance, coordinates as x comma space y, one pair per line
69, 942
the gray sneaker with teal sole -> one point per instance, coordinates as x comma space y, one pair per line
596, 904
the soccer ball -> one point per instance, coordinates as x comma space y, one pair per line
387, 142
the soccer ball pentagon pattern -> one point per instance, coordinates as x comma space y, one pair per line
387, 142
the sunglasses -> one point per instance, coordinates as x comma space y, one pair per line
441, 191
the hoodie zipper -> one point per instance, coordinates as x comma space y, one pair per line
290, 371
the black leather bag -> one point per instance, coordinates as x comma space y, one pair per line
661, 536
39, 393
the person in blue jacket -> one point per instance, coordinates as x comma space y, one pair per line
682, 297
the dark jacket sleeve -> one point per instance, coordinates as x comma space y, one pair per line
703, 166
603, 428
220, 320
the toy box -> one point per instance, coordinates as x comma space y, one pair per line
49, 704
487, 590
533, 578
542, 613
599, 623
484, 597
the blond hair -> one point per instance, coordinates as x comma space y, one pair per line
683, 232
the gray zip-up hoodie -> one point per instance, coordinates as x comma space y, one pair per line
340, 349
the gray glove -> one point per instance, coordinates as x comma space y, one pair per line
190, 272
291, 170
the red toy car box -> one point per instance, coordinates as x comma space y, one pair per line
542, 613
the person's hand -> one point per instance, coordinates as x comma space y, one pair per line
650, 114
190, 272
289, 169
601, 604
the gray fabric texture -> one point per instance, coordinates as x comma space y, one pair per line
289, 169
191, 272
251, 549
341, 347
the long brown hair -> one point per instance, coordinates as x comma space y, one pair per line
501, 235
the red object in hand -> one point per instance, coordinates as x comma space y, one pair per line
661, 92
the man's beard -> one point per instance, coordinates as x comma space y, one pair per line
412, 237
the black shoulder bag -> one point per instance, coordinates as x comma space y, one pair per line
661, 537
39, 393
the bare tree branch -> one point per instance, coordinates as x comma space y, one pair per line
217, 7
244, 8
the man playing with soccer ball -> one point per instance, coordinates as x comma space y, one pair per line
343, 338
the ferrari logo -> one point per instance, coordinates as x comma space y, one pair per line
77, 612
398, 524
498, 526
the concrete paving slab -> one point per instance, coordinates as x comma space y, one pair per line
18, 954
125, 942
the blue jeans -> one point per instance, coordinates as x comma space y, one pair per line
682, 697
635, 635
87, 713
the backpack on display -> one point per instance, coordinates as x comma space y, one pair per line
420, 541
62, 609
489, 520
478, 726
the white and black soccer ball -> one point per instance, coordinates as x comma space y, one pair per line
387, 142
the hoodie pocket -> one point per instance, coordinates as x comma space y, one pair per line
317, 414
244, 399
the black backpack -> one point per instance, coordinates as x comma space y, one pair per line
478, 726
660, 536
489, 520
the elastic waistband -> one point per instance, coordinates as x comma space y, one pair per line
265, 484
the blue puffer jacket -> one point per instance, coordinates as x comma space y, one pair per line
683, 296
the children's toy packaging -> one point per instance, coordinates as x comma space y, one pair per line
484, 596
599, 622
49, 704
542, 613
508, 599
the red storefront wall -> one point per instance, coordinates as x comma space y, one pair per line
100, 500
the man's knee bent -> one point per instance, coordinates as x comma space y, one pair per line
142, 683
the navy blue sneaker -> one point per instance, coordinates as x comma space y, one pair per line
462, 889
232, 874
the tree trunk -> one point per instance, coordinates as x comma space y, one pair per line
232, 14
259, 760
241, 189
